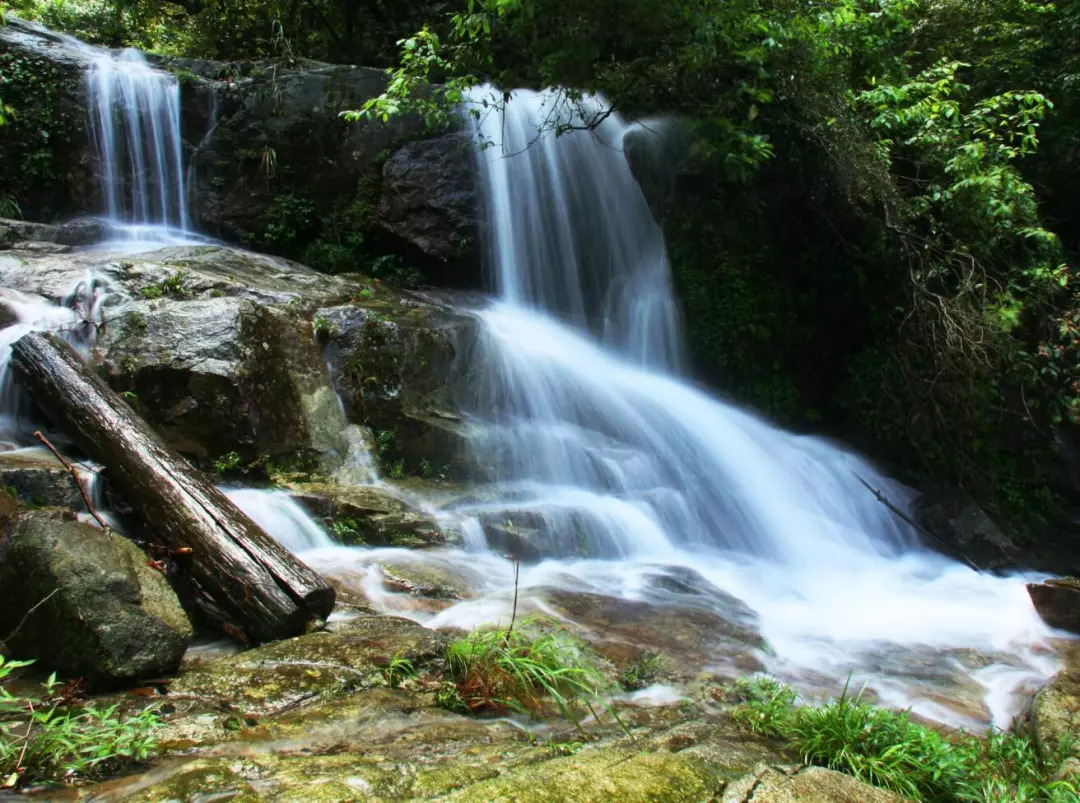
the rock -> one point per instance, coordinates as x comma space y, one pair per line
1058, 602
369, 515
218, 349
802, 785
393, 367
686, 640
79, 232
964, 530
349, 655
45, 168
35, 477
1054, 714
104, 613
429, 196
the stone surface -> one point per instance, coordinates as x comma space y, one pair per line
1058, 602
1055, 709
37, 478
218, 349
46, 166
394, 366
369, 515
349, 655
429, 197
803, 785
102, 613
965, 530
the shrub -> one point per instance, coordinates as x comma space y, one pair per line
887, 749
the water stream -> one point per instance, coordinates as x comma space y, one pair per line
620, 466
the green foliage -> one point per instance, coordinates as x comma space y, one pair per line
642, 671
172, 286
323, 327
47, 739
290, 220
509, 670
397, 670
228, 463
887, 749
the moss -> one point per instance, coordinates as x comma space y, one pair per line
601, 775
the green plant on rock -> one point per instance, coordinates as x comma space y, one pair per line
228, 463
47, 739
641, 672
324, 328
887, 749
174, 286
398, 670
506, 669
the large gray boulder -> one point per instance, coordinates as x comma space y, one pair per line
85, 602
226, 351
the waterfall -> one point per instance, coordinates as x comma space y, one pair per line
617, 464
134, 113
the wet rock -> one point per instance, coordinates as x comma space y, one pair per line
79, 232
962, 528
1058, 602
293, 114
219, 349
44, 80
393, 365
1054, 714
801, 785
350, 655
429, 196
102, 613
424, 579
684, 640
369, 515
35, 477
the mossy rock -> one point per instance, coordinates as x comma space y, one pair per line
349, 655
84, 601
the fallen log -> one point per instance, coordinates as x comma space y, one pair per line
264, 590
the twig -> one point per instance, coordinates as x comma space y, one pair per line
885, 501
18, 627
513, 614
74, 476
26, 740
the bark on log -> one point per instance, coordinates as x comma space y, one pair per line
265, 590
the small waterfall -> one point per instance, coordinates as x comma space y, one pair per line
135, 127
282, 517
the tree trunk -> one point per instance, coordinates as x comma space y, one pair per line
266, 592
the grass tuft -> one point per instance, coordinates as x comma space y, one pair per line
885, 748
501, 670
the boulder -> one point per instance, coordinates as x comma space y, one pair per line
220, 349
85, 602
1054, 714
369, 515
1058, 602
429, 196
790, 784
963, 529
393, 367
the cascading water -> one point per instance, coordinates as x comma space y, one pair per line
590, 431
135, 126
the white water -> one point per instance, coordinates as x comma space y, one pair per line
135, 127
628, 466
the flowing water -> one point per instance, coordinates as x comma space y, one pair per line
618, 466
135, 127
